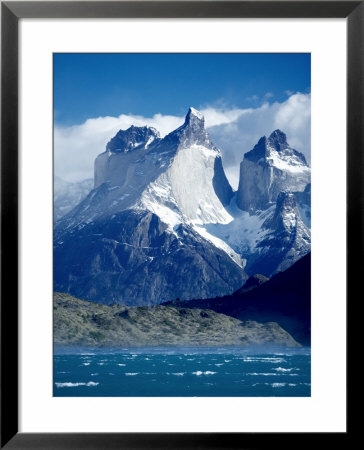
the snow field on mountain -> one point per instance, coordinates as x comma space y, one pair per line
289, 163
244, 232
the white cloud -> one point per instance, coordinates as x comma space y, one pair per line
234, 131
76, 147
293, 117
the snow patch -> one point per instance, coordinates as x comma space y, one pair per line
196, 113
219, 243
149, 141
287, 163
243, 233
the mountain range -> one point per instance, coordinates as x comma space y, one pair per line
162, 221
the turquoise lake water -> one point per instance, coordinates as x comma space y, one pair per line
182, 372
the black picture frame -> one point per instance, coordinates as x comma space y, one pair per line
11, 12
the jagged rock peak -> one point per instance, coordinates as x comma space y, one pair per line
279, 140
270, 167
192, 132
275, 144
194, 116
259, 151
126, 140
194, 122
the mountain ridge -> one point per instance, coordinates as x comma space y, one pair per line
81, 323
285, 299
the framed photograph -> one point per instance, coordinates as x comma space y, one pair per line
165, 169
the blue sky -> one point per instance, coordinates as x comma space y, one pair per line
93, 85
242, 96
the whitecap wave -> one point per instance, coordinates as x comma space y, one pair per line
200, 372
264, 359
131, 374
265, 374
69, 384
282, 369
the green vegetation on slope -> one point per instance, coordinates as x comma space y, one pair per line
83, 323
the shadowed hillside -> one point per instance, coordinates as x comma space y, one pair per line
285, 299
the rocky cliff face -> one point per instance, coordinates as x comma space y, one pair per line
303, 200
133, 259
285, 238
270, 168
125, 141
135, 239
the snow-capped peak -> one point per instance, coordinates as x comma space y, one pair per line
192, 132
194, 119
270, 167
194, 112
133, 137
274, 151
279, 139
